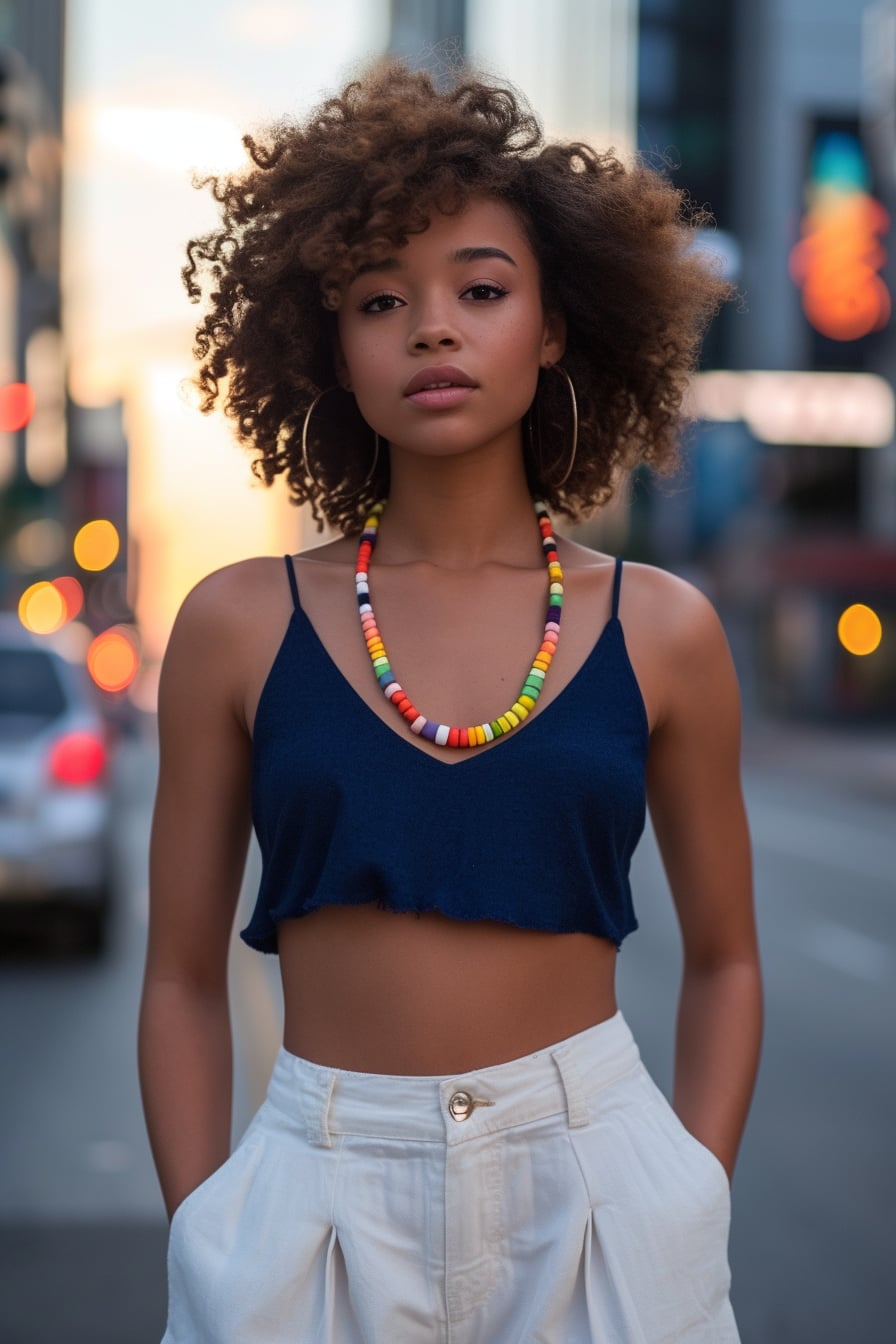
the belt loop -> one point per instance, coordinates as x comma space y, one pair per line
576, 1101
317, 1109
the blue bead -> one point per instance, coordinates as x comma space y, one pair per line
429, 730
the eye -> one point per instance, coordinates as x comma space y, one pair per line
380, 303
484, 291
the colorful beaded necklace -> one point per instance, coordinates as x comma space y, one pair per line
441, 733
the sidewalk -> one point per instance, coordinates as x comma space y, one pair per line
860, 760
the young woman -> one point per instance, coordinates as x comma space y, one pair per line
445, 725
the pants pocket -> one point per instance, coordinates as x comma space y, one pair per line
689, 1145
218, 1177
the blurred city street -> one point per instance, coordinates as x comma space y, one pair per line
117, 496
82, 1237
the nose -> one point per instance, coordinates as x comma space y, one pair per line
432, 330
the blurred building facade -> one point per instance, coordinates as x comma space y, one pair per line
780, 116
32, 415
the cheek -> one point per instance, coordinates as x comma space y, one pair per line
364, 355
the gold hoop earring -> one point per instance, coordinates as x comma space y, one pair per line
575, 425
305, 463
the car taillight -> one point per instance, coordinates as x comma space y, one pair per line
77, 758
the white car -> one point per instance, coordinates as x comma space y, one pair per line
54, 790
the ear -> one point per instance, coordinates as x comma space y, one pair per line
553, 342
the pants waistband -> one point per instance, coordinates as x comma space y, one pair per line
558, 1079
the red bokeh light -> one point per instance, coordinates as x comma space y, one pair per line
16, 406
72, 594
77, 759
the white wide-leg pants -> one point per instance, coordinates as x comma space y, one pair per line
553, 1199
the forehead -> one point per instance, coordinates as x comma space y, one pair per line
482, 224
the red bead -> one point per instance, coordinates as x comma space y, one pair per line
453, 737
462, 737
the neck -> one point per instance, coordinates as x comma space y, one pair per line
458, 513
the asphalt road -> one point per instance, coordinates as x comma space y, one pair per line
82, 1233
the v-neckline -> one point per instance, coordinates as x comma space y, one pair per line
466, 757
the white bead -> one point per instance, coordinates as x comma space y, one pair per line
364, 607
419, 724
537, 672
442, 734
557, 588
487, 729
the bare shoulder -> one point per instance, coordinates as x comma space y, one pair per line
679, 648
226, 633
231, 595
680, 616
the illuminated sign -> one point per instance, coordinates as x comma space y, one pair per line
850, 410
838, 259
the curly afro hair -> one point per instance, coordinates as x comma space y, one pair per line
350, 184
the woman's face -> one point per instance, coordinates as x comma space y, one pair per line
459, 305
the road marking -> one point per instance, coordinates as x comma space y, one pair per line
846, 950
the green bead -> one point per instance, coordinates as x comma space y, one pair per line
496, 728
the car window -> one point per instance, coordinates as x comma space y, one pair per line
30, 685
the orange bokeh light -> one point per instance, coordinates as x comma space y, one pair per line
42, 608
859, 629
72, 594
96, 544
836, 264
112, 660
16, 406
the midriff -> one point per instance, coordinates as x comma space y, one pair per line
377, 992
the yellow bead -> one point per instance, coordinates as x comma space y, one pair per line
519, 710
511, 718
527, 701
504, 722
480, 735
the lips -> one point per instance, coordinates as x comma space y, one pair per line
442, 376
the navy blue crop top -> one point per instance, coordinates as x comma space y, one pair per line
537, 831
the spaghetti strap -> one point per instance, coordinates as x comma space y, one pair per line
617, 579
291, 573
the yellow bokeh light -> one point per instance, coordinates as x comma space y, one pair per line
859, 629
112, 660
96, 544
42, 608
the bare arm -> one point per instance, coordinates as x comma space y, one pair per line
198, 848
697, 808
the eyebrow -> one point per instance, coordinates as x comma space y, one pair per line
463, 254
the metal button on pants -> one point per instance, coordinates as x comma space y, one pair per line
461, 1105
